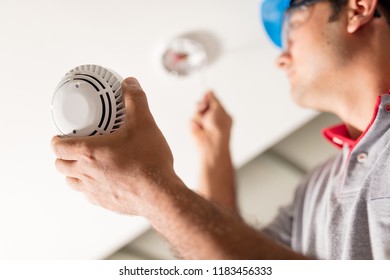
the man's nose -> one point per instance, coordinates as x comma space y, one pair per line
284, 60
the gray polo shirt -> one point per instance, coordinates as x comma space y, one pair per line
341, 210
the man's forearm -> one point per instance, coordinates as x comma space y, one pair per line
218, 183
198, 229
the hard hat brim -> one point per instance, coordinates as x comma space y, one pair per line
272, 13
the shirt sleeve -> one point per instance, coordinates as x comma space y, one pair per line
280, 229
285, 227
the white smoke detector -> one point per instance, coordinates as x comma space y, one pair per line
184, 56
88, 101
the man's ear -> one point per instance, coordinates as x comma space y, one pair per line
360, 12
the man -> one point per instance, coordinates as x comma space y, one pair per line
336, 54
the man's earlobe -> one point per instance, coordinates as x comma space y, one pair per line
360, 12
357, 21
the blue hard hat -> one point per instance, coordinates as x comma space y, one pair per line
272, 13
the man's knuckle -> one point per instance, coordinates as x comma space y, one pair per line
54, 142
86, 151
73, 183
57, 151
57, 163
85, 177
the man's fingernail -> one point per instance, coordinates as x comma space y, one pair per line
209, 93
127, 82
131, 81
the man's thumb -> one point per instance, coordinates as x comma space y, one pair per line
133, 93
210, 95
134, 99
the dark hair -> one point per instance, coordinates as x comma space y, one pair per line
384, 8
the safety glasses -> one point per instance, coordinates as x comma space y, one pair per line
295, 16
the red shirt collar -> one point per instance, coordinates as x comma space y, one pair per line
338, 135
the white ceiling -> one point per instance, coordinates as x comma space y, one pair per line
41, 40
